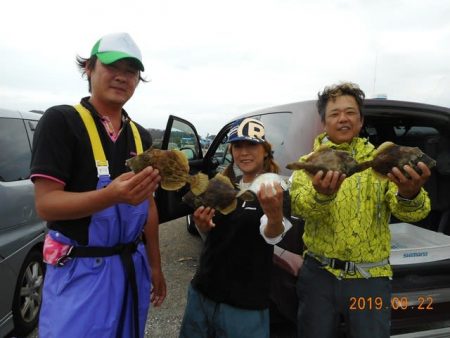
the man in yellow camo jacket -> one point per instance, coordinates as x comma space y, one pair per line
347, 235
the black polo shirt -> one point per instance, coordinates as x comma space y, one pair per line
62, 151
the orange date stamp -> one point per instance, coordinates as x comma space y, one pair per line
421, 303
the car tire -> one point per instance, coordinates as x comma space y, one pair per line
190, 225
28, 294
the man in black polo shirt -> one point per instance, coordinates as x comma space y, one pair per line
98, 276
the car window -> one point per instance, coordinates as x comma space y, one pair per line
182, 137
222, 156
414, 131
15, 154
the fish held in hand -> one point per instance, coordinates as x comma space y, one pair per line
220, 194
173, 167
389, 155
325, 159
267, 179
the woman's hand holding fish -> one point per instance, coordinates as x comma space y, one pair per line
203, 218
271, 201
328, 183
409, 187
134, 188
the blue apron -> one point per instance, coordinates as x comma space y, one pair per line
91, 296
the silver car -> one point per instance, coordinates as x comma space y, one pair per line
21, 231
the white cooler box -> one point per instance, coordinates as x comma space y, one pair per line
412, 245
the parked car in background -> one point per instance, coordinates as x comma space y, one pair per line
421, 251
21, 231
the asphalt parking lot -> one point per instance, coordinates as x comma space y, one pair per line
179, 253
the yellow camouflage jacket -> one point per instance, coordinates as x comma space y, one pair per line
353, 224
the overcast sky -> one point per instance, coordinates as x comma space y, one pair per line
208, 61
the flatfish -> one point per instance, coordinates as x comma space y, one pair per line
267, 179
325, 159
220, 194
173, 167
389, 155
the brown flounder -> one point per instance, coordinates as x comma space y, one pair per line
173, 167
220, 194
325, 159
389, 155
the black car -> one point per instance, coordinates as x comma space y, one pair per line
421, 262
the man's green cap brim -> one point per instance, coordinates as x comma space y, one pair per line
110, 57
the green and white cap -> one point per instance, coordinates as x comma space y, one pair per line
115, 47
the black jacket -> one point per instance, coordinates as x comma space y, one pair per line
236, 262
